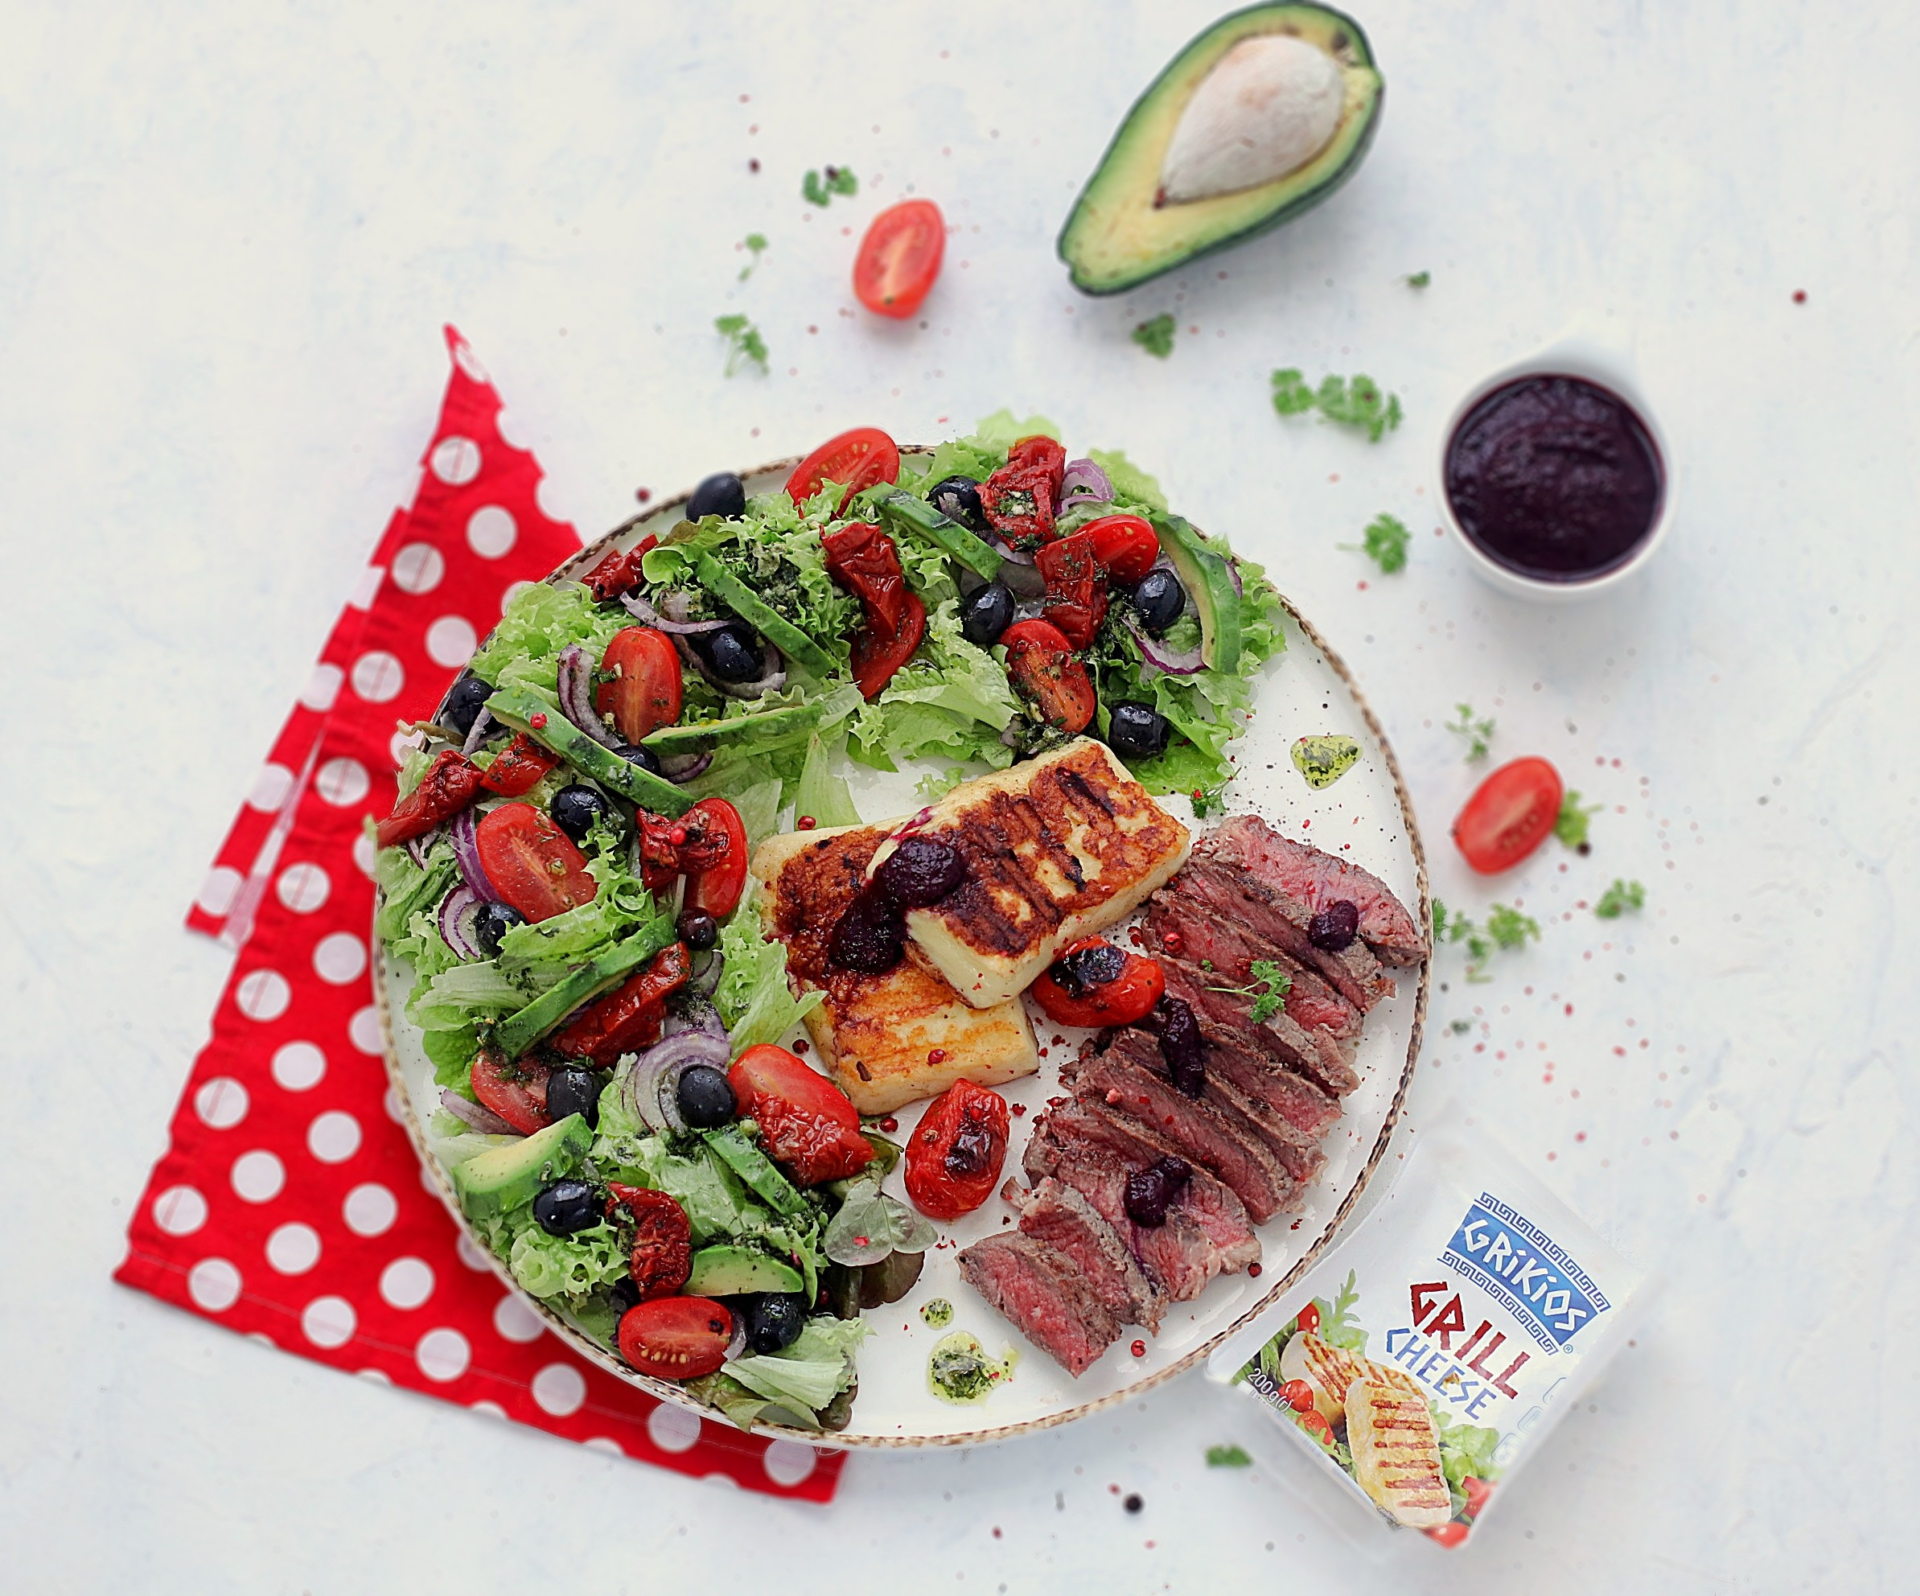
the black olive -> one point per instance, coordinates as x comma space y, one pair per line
722, 494
1151, 1191
1158, 598
576, 809
623, 1294
493, 922
958, 499
463, 703
574, 1089
566, 1206
986, 613
1094, 966
1335, 926
705, 1098
1137, 731
921, 871
1182, 1047
774, 1319
645, 758
699, 930
734, 657
871, 934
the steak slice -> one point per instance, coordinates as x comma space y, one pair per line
1318, 879
1044, 1295
1255, 1074
1238, 898
1313, 1054
1231, 949
1061, 1217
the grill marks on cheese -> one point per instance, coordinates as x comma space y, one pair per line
1396, 1453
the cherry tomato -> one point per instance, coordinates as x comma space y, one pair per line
1298, 1395
1509, 816
1076, 597
955, 1153
618, 571
1448, 1534
1476, 1491
531, 863
1019, 498
629, 1017
1126, 546
863, 560
856, 460
1071, 992
447, 788
716, 888
644, 691
1308, 1318
806, 1122
1042, 668
518, 767
676, 1338
662, 1256
900, 257
875, 661
514, 1089
1314, 1422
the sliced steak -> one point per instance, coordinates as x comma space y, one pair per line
1315, 1054
1061, 1217
1318, 880
1044, 1296
1257, 1074
1203, 938
1226, 889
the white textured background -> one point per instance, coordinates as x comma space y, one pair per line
228, 237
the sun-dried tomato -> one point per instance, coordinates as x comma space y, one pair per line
1020, 497
662, 1256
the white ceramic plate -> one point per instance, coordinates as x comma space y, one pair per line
1364, 816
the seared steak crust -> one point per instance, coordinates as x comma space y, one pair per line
1055, 1213
1318, 879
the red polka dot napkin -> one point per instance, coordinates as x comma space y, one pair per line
290, 1204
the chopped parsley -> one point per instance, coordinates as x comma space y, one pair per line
1268, 987
1386, 544
1351, 402
1509, 928
1571, 827
1478, 733
1228, 1457
1620, 897
753, 243
1417, 279
1156, 336
838, 180
1506, 928
744, 342
1460, 1027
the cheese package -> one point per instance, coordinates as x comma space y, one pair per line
1422, 1361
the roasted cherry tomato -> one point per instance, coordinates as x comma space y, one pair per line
1018, 500
447, 788
1126, 546
1043, 669
629, 1017
1476, 1491
1510, 815
955, 1152
518, 767
862, 559
662, 1255
531, 864
619, 571
676, 1338
875, 661
716, 888
1307, 1319
856, 460
515, 1089
1298, 1395
1076, 597
806, 1122
1093, 983
900, 257
1448, 1534
642, 692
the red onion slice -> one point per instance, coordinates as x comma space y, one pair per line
652, 1090
1170, 662
482, 724
1084, 483
419, 847
1233, 570
1018, 573
463, 833
684, 767
458, 910
473, 1116
707, 969
690, 1011
647, 615
576, 696
772, 677
737, 1347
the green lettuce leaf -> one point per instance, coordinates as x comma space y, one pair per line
524, 650
566, 1267
822, 791
811, 1372
754, 1001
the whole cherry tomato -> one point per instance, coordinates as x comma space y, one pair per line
1314, 1422
955, 1152
1512, 813
448, 787
900, 257
1308, 1318
1298, 1395
676, 1338
1448, 1534
806, 1122
1093, 983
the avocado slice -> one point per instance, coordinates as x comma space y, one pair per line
1208, 580
515, 707
729, 1271
505, 1177
763, 618
1232, 172
762, 728
902, 510
739, 1154
519, 1031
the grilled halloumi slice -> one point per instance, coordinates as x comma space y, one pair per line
1057, 848
887, 1039
1396, 1453
1329, 1371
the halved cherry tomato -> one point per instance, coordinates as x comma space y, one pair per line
629, 1017
447, 788
1298, 1395
1308, 1319
676, 1338
863, 560
1448, 1534
619, 571
531, 863
900, 257
515, 1089
643, 693
856, 460
1072, 992
518, 767
1076, 597
806, 1122
1314, 1422
1019, 498
955, 1152
717, 887
1042, 668
1125, 545
875, 661
662, 1254
1510, 815
1476, 1491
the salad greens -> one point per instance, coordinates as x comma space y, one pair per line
1356, 403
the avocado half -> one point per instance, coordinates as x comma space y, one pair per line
1125, 228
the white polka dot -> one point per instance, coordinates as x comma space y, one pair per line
263, 1338
263, 995
491, 532
455, 460
364, 1030
366, 588
294, 1249
334, 1137
604, 1443
214, 1284
221, 1102
469, 362
418, 568
259, 1176
507, 423
443, 1355
515, 1321
406, 1282
376, 1376
180, 1210
216, 892
472, 1254
339, 957
493, 1410
396, 1110
363, 852
548, 499
299, 1066
788, 1462
673, 1429
560, 1388
726, 1481
271, 784
514, 590
370, 1210
342, 781
303, 887
378, 676
400, 744
329, 1321
323, 686
451, 641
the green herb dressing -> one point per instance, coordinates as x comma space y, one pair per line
959, 1370
1324, 760
937, 1313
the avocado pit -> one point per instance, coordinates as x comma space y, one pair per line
1267, 108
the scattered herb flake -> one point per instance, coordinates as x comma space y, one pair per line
1506, 928
1268, 986
754, 243
744, 342
1228, 1457
1156, 336
1291, 395
1351, 401
1386, 540
1571, 827
1620, 897
1460, 1027
1509, 928
838, 180
1478, 733
1417, 279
